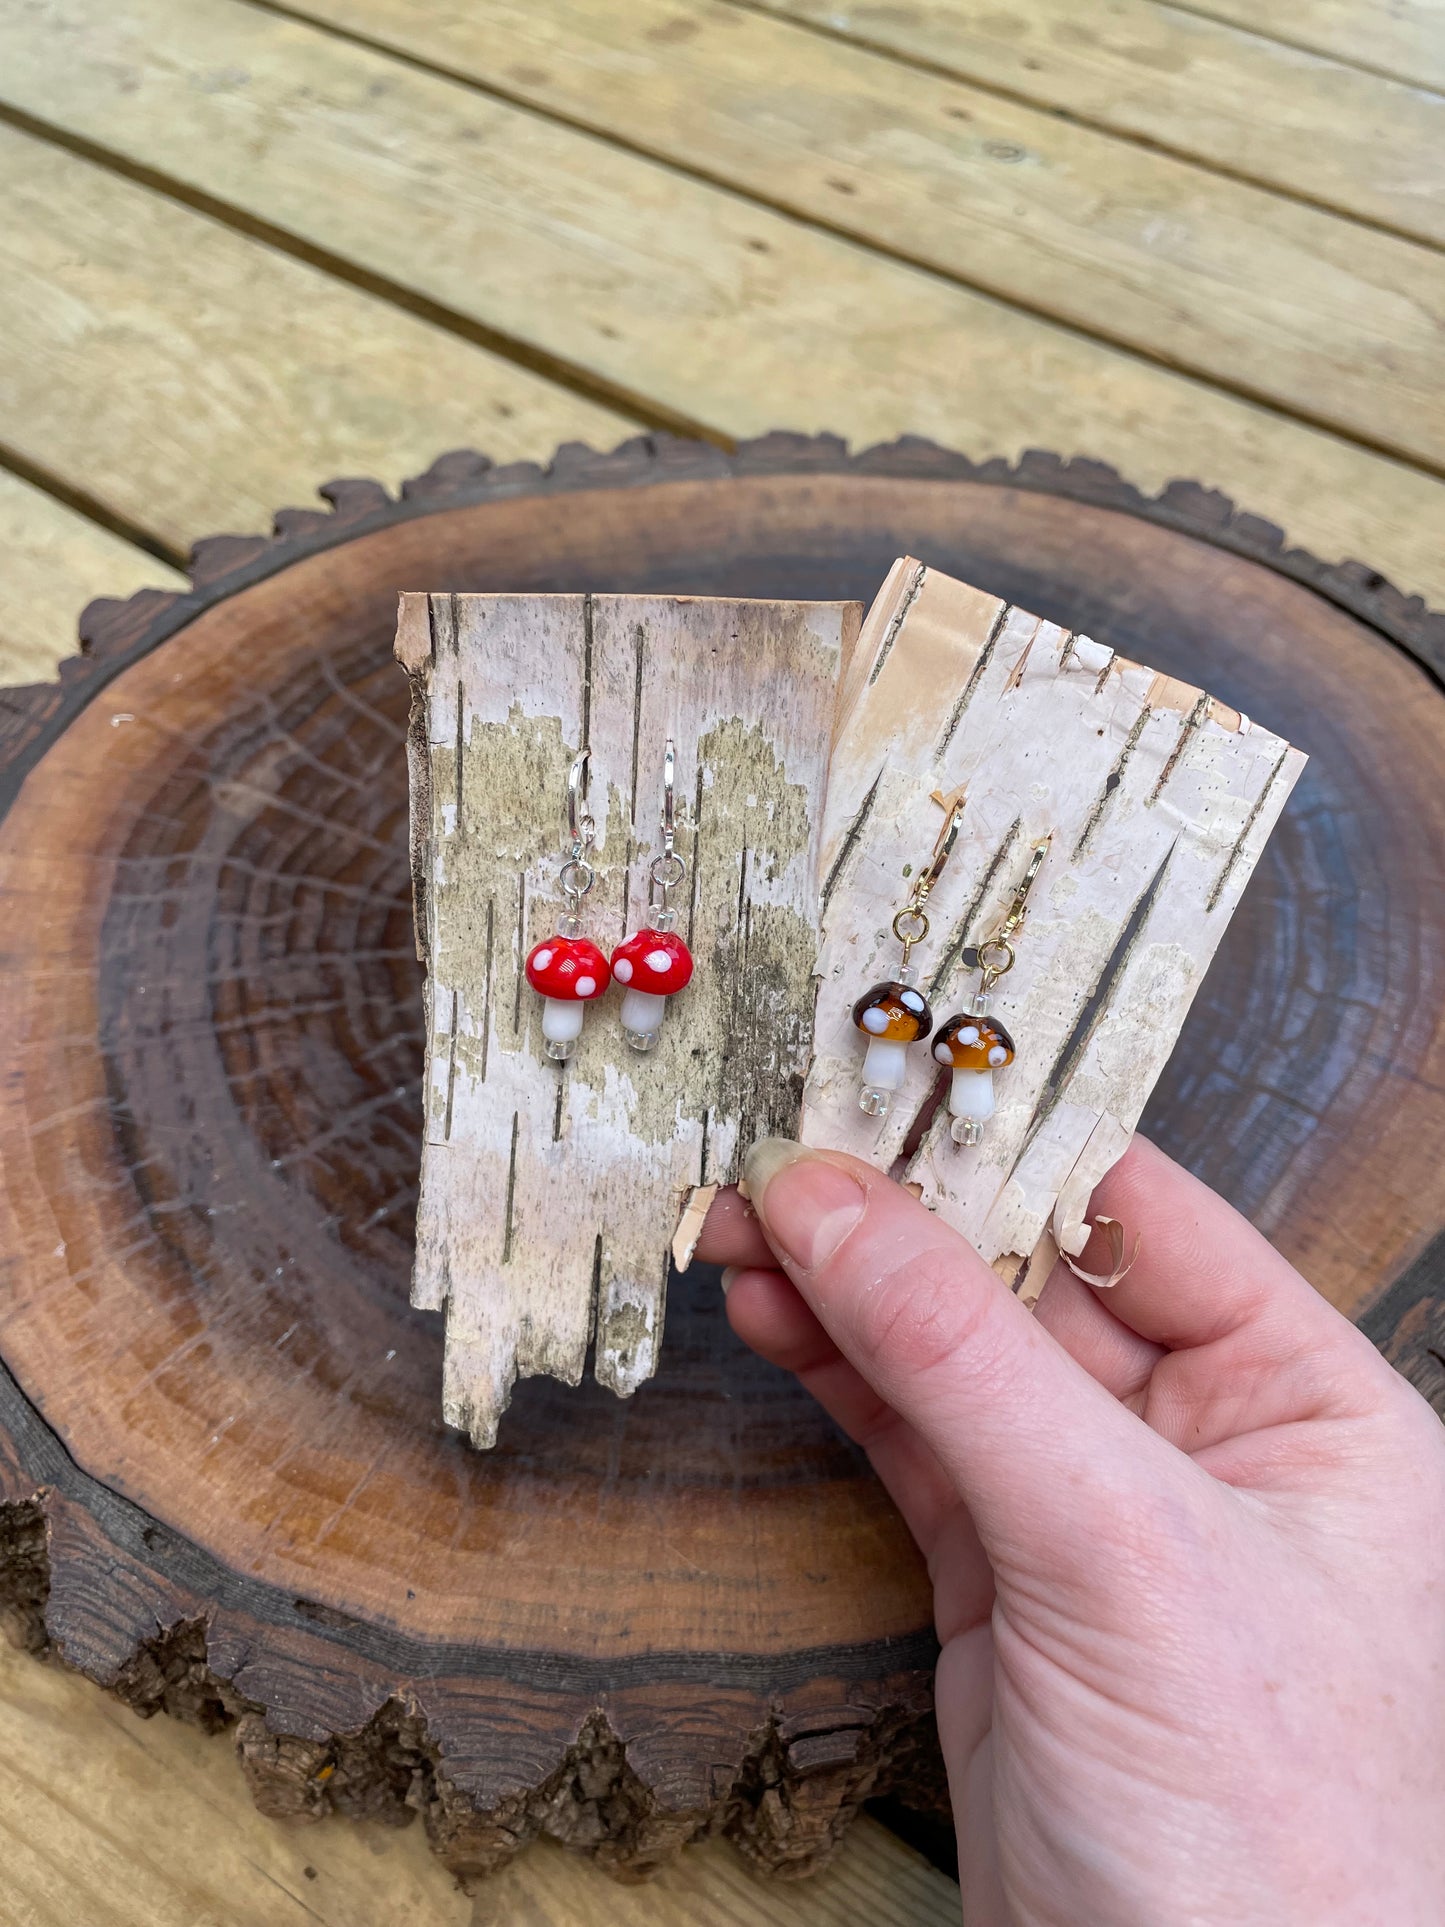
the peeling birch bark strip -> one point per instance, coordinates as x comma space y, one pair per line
1159, 801
550, 1193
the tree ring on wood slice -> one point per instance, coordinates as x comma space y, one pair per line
224, 1486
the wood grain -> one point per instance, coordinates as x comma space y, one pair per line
550, 1192
1243, 103
55, 560
1287, 303
221, 1488
196, 400
635, 280
1405, 38
146, 1823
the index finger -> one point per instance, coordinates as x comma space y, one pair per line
1041, 1453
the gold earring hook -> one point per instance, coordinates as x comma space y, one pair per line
910, 926
995, 955
1018, 909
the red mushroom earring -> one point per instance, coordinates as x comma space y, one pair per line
654, 963
894, 1013
567, 970
973, 1044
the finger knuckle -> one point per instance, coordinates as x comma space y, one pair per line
922, 1314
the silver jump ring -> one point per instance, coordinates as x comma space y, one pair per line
668, 871
577, 878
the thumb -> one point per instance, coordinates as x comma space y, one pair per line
1047, 1461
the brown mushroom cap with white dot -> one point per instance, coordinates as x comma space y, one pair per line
969, 1043
894, 1012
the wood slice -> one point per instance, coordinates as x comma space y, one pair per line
227, 1489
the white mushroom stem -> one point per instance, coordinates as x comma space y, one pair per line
971, 1095
885, 1064
642, 1012
562, 1019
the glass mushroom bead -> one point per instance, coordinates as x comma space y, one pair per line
891, 1016
973, 1047
567, 973
651, 965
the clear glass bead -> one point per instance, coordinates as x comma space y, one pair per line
663, 919
978, 1004
907, 974
641, 1040
966, 1130
570, 925
873, 1102
559, 1047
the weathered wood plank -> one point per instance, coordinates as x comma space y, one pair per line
1404, 38
1158, 801
549, 1191
1331, 321
1195, 87
54, 562
192, 379
645, 282
107, 1818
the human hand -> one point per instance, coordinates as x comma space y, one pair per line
1187, 1544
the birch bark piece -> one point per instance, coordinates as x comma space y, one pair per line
550, 1192
1158, 800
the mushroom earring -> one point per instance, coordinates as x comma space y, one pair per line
654, 963
973, 1044
894, 1014
567, 970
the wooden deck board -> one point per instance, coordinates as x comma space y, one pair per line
55, 560
1403, 38
637, 278
193, 379
1250, 106
1334, 322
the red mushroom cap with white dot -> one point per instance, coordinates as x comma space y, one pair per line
657, 961
571, 969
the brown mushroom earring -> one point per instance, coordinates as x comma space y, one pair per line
974, 1045
894, 1014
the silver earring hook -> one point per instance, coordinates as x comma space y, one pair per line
580, 827
669, 796
665, 872
578, 875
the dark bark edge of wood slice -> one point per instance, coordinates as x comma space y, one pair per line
632, 1758
116, 632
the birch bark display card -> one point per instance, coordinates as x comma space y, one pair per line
1103, 822
554, 1167
689, 871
